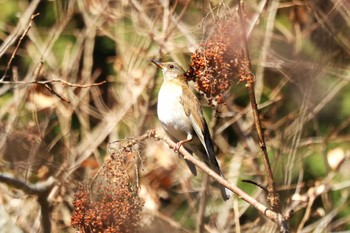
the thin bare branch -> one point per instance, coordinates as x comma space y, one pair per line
256, 184
46, 84
18, 44
54, 81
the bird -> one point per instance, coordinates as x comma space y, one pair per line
181, 116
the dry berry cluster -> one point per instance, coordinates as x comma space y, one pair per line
218, 61
112, 204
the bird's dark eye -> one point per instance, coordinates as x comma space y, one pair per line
171, 66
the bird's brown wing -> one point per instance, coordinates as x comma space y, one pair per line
194, 112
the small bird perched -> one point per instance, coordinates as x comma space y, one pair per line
182, 118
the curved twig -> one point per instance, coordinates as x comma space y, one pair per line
256, 184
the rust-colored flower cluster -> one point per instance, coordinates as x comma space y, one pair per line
218, 61
111, 204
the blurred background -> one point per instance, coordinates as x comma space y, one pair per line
300, 56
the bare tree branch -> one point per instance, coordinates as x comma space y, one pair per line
40, 189
54, 81
272, 195
28, 188
270, 214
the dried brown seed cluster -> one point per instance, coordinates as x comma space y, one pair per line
112, 204
218, 61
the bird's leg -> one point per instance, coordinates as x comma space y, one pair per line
180, 143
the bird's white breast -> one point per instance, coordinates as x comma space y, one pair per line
171, 112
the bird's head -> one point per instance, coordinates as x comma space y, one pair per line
171, 70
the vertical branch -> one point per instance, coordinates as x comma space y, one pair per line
45, 212
272, 195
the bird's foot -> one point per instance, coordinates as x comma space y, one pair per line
177, 147
179, 144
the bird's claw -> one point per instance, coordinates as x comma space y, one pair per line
180, 143
177, 147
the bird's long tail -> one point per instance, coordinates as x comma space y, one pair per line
225, 192
214, 165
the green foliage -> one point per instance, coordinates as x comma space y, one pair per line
344, 105
314, 166
8, 13
64, 44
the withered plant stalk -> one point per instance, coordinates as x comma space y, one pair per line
272, 194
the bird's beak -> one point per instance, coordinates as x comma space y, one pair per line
158, 63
